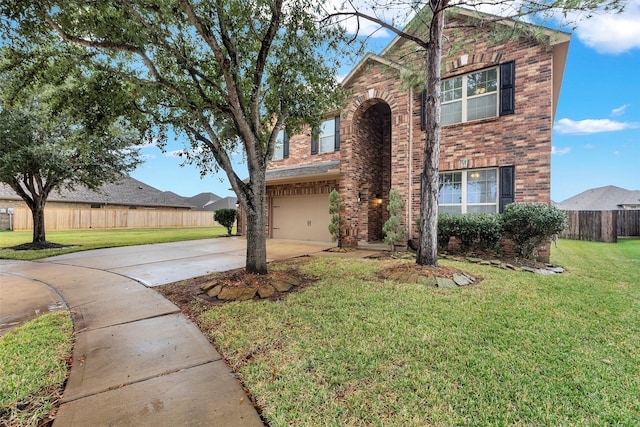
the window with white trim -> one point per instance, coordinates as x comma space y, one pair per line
278, 149
326, 137
469, 191
469, 97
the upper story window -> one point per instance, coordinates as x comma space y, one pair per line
281, 148
470, 97
327, 138
478, 95
469, 191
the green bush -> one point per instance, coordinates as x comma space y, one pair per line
226, 218
335, 208
475, 231
447, 224
526, 224
489, 227
530, 224
393, 229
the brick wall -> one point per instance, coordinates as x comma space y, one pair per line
522, 139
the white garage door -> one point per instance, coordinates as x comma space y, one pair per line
301, 218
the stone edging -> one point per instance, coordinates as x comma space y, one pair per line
545, 269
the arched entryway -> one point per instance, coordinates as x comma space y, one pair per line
372, 158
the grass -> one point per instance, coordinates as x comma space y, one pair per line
516, 349
82, 240
33, 368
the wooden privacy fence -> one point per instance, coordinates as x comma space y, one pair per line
85, 218
629, 223
602, 226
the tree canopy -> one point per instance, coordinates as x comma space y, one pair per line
43, 149
228, 75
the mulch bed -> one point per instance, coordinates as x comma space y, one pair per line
182, 293
36, 246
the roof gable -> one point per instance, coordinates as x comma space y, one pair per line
417, 23
369, 58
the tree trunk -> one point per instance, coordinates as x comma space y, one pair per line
427, 253
255, 214
37, 213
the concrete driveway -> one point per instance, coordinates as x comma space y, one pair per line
159, 264
22, 299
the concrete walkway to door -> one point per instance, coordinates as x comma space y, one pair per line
137, 360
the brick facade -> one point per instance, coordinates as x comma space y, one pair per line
382, 142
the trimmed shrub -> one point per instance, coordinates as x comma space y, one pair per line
393, 229
447, 224
474, 231
530, 224
335, 226
477, 231
226, 218
489, 227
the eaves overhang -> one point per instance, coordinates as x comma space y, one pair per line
305, 173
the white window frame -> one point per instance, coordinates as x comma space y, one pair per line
464, 196
465, 98
278, 148
327, 137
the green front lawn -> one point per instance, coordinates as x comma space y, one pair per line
516, 349
82, 240
33, 367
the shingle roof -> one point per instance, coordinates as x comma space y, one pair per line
632, 199
201, 200
601, 199
128, 191
302, 171
225, 203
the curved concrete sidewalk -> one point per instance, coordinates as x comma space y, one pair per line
137, 361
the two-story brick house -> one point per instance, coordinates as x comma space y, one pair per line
498, 108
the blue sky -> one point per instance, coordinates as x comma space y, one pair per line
596, 136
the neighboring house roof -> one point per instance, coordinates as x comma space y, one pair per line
211, 202
128, 191
200, 201
225, 203
601, 199
632, 199
315, 171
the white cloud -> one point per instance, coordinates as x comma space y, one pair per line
590, 147
620, 110
183, 152
612, 33
589, 126
604, 32
175, 153
560, 151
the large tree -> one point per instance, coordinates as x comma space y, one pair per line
42, 151
427, 33
228, 74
